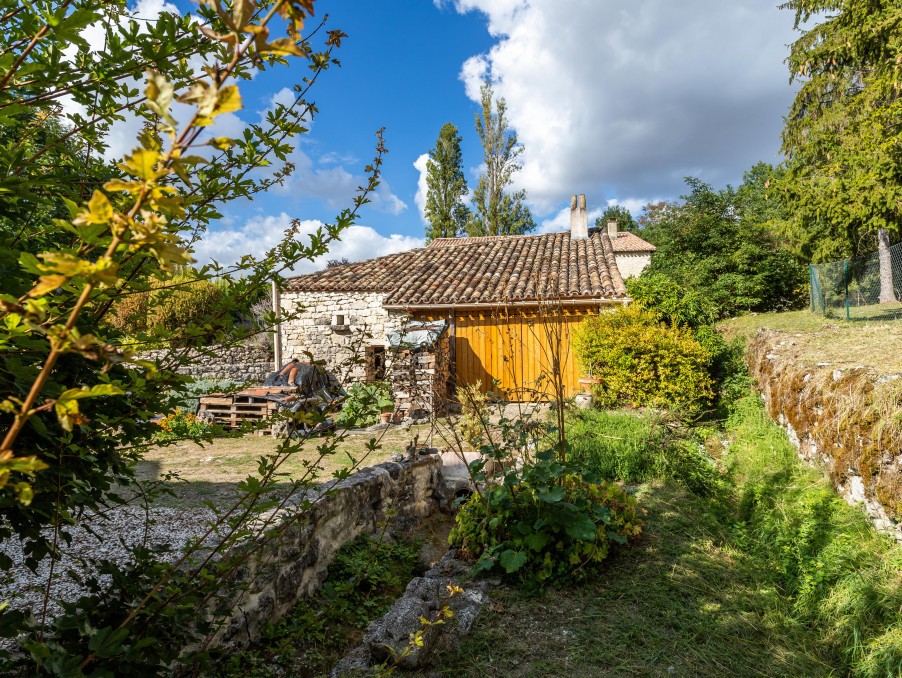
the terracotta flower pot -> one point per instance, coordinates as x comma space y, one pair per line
588, 382
386, 417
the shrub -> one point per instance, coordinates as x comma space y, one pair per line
169, 304
671, 302
363, 404
642, 362
474, 413
635, 447
181, 424
545, 522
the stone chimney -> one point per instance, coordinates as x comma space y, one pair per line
612, 228
579, 218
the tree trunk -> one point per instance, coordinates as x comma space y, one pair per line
887, 294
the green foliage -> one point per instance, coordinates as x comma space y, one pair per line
181, 424
633, 447
82, 234
671, 302
545, 522
495, 211
621, 215
641, 362
721, 245
365, 578
446, 187
474, 413
363, 404
844, 580
842, 132
170, 304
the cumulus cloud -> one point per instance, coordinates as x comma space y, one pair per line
334, 185
420, 197
624, 99
261, 233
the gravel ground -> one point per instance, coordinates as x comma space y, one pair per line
115, 530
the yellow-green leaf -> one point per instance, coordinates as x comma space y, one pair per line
141, 164
227, 100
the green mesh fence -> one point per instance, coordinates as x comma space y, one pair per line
859, 289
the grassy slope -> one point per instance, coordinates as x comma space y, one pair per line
767, 588
684, 602
840, 343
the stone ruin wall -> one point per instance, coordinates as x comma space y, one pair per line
296, 562
831, 416
238, 364
366, 323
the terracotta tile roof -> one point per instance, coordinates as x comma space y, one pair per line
482, 270
624, 242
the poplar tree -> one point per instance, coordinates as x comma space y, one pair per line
843, 131
446, 187
498, 212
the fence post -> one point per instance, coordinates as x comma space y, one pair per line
846, 281
811, 286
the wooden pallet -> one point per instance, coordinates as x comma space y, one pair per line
230, 410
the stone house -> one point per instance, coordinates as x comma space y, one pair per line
509, 301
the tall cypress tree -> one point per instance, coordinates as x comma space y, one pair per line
446, 187
498, 212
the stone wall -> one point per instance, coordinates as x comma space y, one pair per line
364, 323
841, 419
295, 563
239, 364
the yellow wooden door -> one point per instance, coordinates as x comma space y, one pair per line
517, 352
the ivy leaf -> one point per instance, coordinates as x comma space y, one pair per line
511, 560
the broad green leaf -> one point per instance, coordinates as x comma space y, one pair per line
511, 560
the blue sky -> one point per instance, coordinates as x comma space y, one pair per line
616, 99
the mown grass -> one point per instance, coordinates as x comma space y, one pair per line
782, 579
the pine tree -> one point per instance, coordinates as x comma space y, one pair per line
497, 212
842, 135
446, 187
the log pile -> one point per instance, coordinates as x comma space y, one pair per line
421, 379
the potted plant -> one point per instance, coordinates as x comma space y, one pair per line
385, 401
588, 382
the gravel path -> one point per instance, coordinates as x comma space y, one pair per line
116, 529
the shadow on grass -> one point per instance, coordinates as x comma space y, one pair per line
682, 602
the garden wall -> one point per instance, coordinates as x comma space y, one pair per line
845, 420
239, 364
295, 563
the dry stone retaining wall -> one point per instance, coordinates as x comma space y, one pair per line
239, 364
296, 562
844, 420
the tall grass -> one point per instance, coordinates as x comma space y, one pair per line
641, 446
843, 579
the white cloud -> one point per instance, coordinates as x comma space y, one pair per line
261, 233
634, 205
627, 98
420, 197
336, 186
561, 220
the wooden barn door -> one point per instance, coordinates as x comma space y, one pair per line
517, 348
